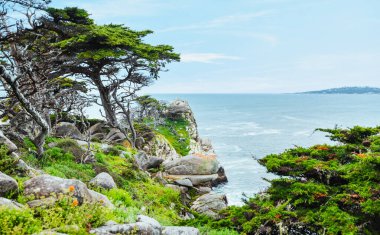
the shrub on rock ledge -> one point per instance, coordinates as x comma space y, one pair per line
325, 189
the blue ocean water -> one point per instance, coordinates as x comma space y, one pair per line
247, 125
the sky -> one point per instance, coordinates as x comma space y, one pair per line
254, 46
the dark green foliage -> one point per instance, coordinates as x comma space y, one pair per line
144, 131
70, 15
147, 101
354, 135
327, 190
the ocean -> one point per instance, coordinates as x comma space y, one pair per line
243, 127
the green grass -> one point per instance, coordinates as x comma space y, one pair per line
175, 131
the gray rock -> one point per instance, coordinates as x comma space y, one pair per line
206, 145
4, 202
7, 142
178, 107
133, 228
184, 189
146, 162
159, 177
222, 178
98, 136
154, 223
115, 135
210, 204
66, 129
153, 162
103, 199
103, 180
98, 128
141, 159
7, 184
184, 182
203, 190
44, 186
42, 202
192, 165
158, 146
178, 230
174, 187
196, 179
25, 168
110, 222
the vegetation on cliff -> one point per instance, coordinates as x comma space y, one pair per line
324, 189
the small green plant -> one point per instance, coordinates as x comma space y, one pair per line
18, 222
7, 163
67, 212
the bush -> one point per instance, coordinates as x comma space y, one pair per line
7, 163
65, 213
18, 222
325, 190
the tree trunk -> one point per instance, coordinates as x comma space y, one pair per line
105, 98
130, 123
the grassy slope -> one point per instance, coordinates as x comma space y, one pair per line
136, 193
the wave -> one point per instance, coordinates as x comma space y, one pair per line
263, 132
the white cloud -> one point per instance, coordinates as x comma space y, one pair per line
206, 57
218, 22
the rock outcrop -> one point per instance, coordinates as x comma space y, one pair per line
69, 130
114, 136
144, 226
146, 162
178, 230
182, 109
210, 204
45, 186
103, 180
160, 147
7, 184
199, 169
7, 142
193, 165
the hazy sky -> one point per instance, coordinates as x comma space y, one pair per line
255, 46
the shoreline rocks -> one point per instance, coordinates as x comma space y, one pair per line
201, 170
210, 204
